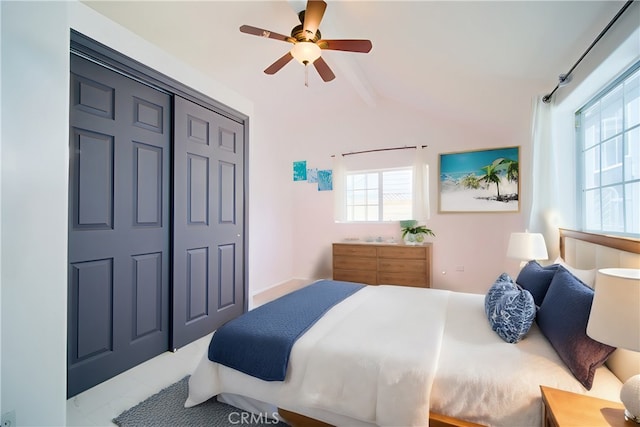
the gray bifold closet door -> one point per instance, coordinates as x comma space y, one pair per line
156, 223
119, 224
208, 200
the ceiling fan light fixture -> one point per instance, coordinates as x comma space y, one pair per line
308, 42
306, 52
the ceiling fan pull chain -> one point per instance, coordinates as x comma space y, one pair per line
306, 75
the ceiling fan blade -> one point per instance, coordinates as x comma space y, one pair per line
276, 66
247, 29
363, 46
312, 17
324, 70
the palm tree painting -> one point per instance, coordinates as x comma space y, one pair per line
480, 181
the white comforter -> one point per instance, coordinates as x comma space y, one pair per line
389, 354
371, 358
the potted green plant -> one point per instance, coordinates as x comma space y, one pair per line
414, 234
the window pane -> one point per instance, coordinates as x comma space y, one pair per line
349, 213
372, 197
359, 182
592, 167
359, 213
592, 209
397, 194
372, 213
632, 155
609, 137
384, 195
397, 181
612, 209
632, 207
349, 197
591, 126
611, 111
612, 161
372, 180
359, 197
632, 100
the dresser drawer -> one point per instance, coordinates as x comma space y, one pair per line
368, 277
403, 279
405, 252
354, 263
383, 264
355, 250
402, 265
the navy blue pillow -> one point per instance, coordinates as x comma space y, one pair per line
510, 309
563, 318
536, 279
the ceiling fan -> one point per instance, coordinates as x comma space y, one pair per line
308, 42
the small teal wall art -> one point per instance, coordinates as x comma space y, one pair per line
325, 180
300, 170
312, 175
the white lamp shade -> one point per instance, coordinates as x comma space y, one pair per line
615, 312
527, 246
306, 52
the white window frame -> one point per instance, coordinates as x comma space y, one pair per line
349, 215
600, 153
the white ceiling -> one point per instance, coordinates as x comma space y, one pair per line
449, 58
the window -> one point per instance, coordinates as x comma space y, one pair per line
608, 135
381, 195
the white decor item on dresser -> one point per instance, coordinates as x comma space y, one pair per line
615, 320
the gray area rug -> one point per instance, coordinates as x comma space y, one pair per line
166, 408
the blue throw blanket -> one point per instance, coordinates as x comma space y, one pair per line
258, 343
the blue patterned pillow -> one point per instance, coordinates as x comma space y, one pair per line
536, 279
510, 309
563, 318
502, 283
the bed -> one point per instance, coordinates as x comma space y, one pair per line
391, 355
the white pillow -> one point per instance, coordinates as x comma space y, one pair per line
587, 276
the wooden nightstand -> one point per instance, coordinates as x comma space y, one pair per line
562, 408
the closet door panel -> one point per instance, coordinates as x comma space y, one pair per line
208, 284
119, 225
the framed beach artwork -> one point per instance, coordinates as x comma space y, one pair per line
480, 181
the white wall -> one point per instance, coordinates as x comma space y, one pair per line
477, 242
35, 104
270, 213
35, 75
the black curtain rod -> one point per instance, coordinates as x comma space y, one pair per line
380, 149
566, 77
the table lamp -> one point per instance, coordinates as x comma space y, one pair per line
526, 247
615, 320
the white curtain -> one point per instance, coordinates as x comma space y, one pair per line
421, 209
544, 216
338, 188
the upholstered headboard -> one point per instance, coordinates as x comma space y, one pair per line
594, 251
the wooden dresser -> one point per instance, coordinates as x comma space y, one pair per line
383, 264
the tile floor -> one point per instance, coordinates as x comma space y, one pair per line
100, 404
